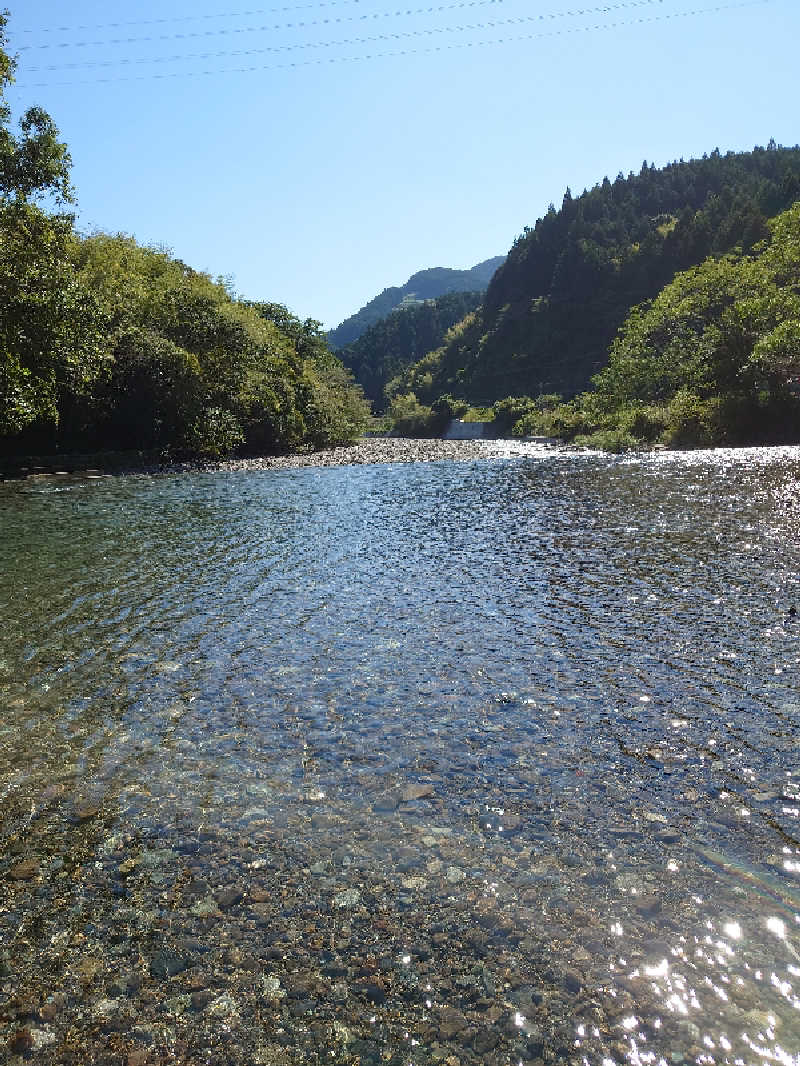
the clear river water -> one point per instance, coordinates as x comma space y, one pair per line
466, 762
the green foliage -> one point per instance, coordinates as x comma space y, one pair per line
105, 344
607, 440
447, 407
182, 366
49, 330
154, 393
33, 163
563, 420
553, 308
403, 337
425, 285
776, 354
515, 409
713, 360
410, 418
214, 434
336, 412
477, 414
51, 339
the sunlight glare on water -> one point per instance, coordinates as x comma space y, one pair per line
493, 762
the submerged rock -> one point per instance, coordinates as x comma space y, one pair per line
168, 963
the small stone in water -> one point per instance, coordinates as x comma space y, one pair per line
223, 1006
24, 871
21, 1042
167, 963
229, 897
348, 898
573, 981
271, 987
82, 812
648, 905
375, 993
205, 908
415, 792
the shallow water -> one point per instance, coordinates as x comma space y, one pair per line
487, 762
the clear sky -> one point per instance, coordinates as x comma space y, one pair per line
338, 166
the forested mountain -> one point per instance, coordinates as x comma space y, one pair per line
554, 307
105, 344
424, 285
403, 337
714, 359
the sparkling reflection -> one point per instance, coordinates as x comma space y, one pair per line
491, 763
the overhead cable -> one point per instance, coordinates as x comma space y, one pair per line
568, 31
184, 18
459, 5
402, 35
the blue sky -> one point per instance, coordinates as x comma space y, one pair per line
319, 184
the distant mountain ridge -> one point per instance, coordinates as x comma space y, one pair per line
552, 310
408, 333
424, 285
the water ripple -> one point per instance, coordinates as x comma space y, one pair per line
552, 701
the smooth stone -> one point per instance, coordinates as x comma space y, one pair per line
416, 792
167, 963
206, 908
451, 1022
573, 981
375, 993
201, 999
24, 871
349, 897
229, 897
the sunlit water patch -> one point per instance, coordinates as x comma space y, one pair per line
492, 762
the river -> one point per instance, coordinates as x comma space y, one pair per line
462, 762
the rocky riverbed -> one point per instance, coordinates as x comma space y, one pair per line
393, 932
480, 764
365, 451
390, 450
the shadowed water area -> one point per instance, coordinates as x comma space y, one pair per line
482, 762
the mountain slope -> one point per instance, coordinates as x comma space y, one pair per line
714, 359
424, 285
553, 308
403, 337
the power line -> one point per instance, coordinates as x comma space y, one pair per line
569, 31
430, 31
185, 18
460, 4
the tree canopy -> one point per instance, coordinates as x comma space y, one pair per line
403, 337
713, 359
553, 308
105, 344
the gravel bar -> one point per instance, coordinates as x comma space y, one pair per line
381, 450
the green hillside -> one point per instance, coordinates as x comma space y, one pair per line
403, 337
713, 360
424, 285
554, 307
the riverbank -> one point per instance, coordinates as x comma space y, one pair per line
384, 450
370, 450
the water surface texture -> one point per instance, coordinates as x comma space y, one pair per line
489, 762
